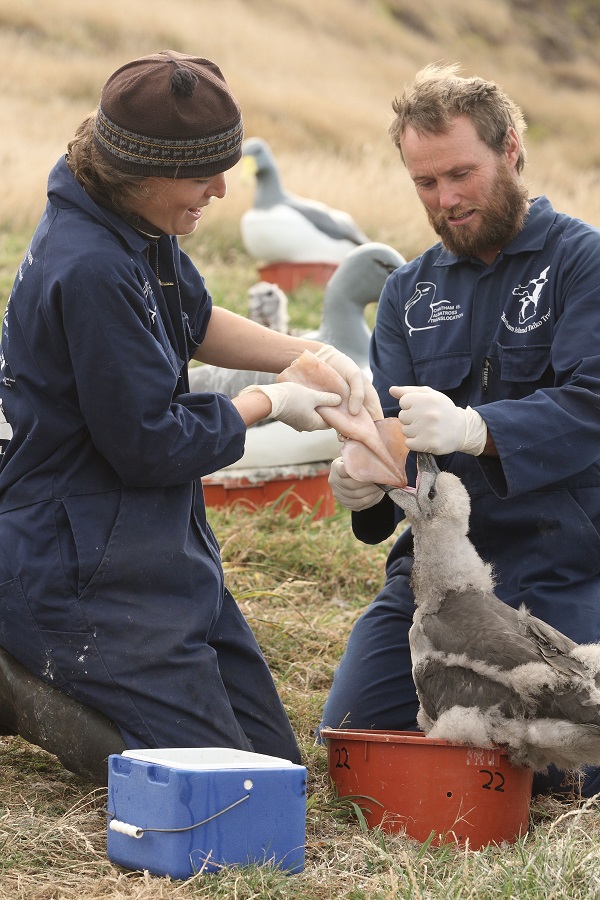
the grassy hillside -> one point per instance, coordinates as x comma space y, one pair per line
316, 80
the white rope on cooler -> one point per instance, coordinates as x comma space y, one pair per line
136, 832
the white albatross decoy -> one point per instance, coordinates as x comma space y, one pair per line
283, 227
357, 282
487, 674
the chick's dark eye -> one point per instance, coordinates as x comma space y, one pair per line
432, 492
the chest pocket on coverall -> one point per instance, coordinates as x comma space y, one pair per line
516, 372
443, 373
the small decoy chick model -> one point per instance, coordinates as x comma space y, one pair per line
283, 227
268, 305
487, 674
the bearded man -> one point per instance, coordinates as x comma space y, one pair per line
487, 348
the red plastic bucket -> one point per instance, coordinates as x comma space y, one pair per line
290, 275
304, 490
404, 781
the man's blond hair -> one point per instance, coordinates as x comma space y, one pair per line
439, 94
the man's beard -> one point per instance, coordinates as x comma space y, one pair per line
501, 219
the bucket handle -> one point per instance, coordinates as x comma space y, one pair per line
136, 832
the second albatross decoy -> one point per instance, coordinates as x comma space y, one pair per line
283, 227
487, 674
357, 282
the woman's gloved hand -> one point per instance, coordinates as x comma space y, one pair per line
361, 389
431, 422
295, 405
354, 495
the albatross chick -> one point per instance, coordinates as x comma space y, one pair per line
487, 674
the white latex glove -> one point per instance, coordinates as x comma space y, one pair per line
295, 404
352, 494
361, 389
431, 423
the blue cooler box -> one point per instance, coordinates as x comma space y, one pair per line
181, 811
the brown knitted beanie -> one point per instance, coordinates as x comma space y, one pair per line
170, 115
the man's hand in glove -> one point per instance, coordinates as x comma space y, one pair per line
352, 494
433, 424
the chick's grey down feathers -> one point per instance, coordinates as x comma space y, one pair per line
487, 674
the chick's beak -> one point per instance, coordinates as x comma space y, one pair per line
426, 464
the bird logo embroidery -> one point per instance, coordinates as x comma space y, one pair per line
529, 296
439, 311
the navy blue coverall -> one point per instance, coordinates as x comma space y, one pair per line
519, 341
111, 584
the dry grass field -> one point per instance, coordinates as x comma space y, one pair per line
315, 78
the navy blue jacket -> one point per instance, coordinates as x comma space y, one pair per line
95, 351
102, 518
518, 340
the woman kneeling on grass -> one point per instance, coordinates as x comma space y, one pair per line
111, 585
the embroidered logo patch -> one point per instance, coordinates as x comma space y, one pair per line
524, 312
5, 432
423, 312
